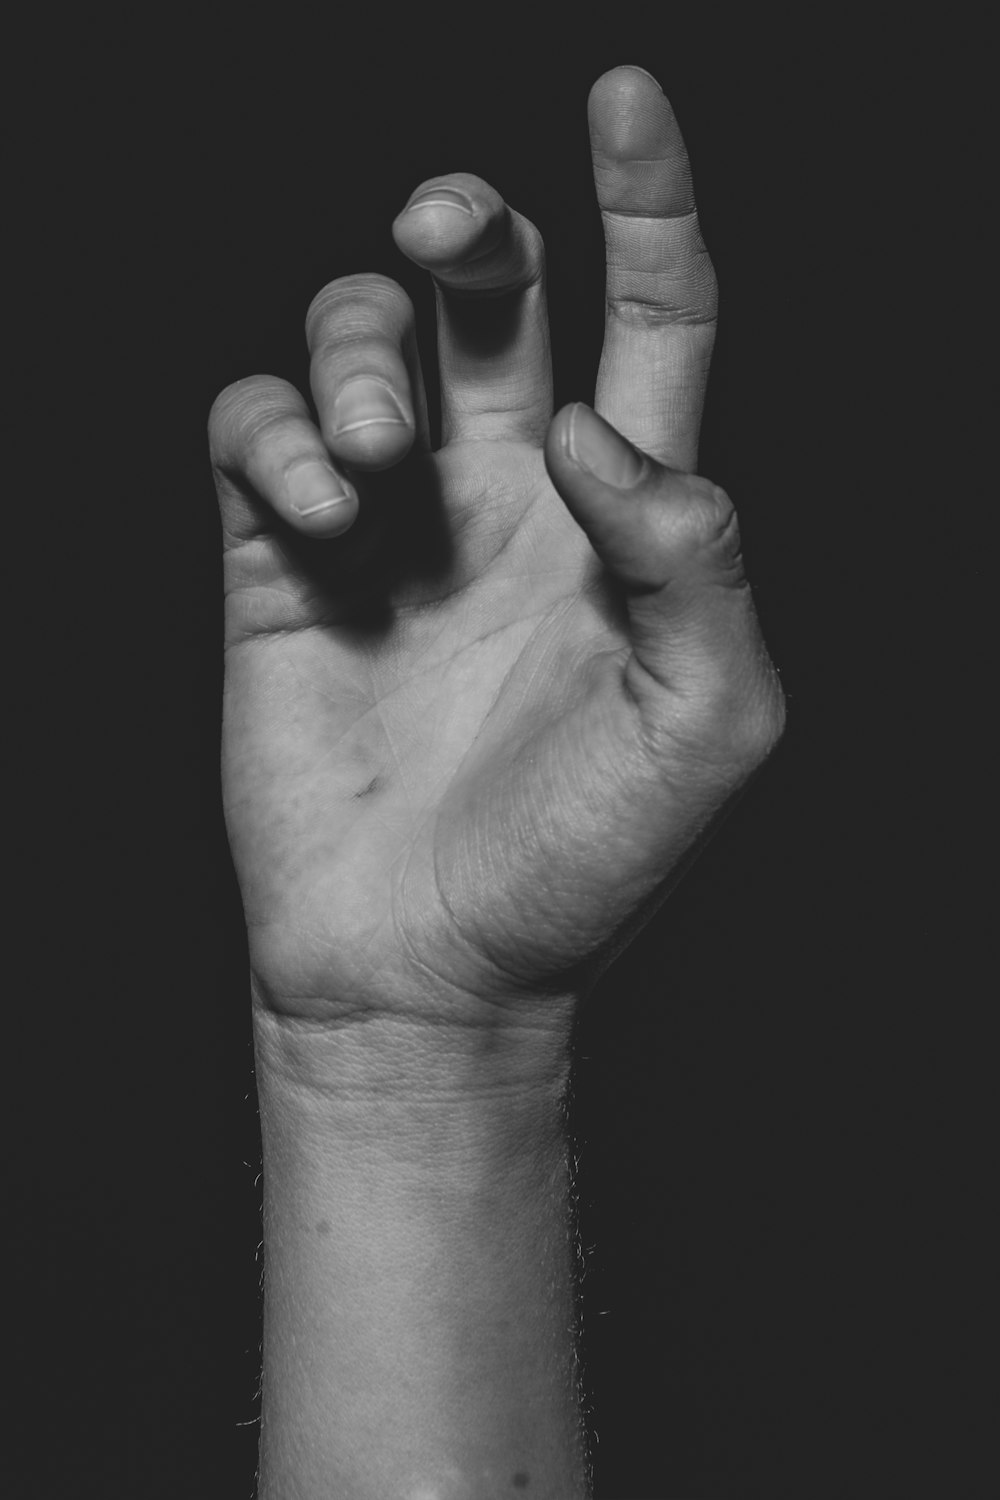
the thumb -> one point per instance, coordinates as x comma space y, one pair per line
669, 539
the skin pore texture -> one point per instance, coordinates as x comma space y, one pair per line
482, 700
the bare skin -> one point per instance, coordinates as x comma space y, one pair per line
478, 707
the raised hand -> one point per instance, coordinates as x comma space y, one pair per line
481, 700
479, 703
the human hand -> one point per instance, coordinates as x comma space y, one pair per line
478, 709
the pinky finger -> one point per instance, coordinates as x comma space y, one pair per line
268, 456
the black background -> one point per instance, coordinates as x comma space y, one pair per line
778, 1106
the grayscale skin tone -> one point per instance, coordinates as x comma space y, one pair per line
479, 704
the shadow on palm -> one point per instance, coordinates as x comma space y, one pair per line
472, 516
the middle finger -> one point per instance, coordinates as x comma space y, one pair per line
365, 372
488, 265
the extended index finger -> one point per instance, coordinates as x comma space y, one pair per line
661, 291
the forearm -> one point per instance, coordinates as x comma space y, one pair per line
419, 1315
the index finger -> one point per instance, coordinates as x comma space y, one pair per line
661, 290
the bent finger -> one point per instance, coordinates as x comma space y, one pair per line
268, 456
365, 371
488, 264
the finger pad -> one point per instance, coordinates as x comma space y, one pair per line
640, 163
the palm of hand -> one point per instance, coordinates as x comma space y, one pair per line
438, 790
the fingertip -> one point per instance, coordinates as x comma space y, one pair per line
435, 235
558, 429
635, 68
317, 500
373, 446
631, 116
448, 219
594, 449
580, 486
369, 423
557, 448
624, 80
331, 521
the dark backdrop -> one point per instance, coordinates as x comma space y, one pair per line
779, 1123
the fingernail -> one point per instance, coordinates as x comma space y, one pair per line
594, 445
442, 197
636, 68
363, 401
313, 486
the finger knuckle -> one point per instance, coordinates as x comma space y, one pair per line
234, 407
356, 304
488, 203
534, 243
652, 286
729, 726
262, 431
532, 251
468, 182
515, 263
702, 523
666, 310
718, 528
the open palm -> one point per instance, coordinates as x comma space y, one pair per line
480, 701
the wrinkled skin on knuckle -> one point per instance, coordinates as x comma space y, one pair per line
751, 710
358, 294
239, 415
727, 711
697, 533
223, 415
712, 526
691, 300
258, 431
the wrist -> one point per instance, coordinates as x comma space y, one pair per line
414, 1107
389, 1060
